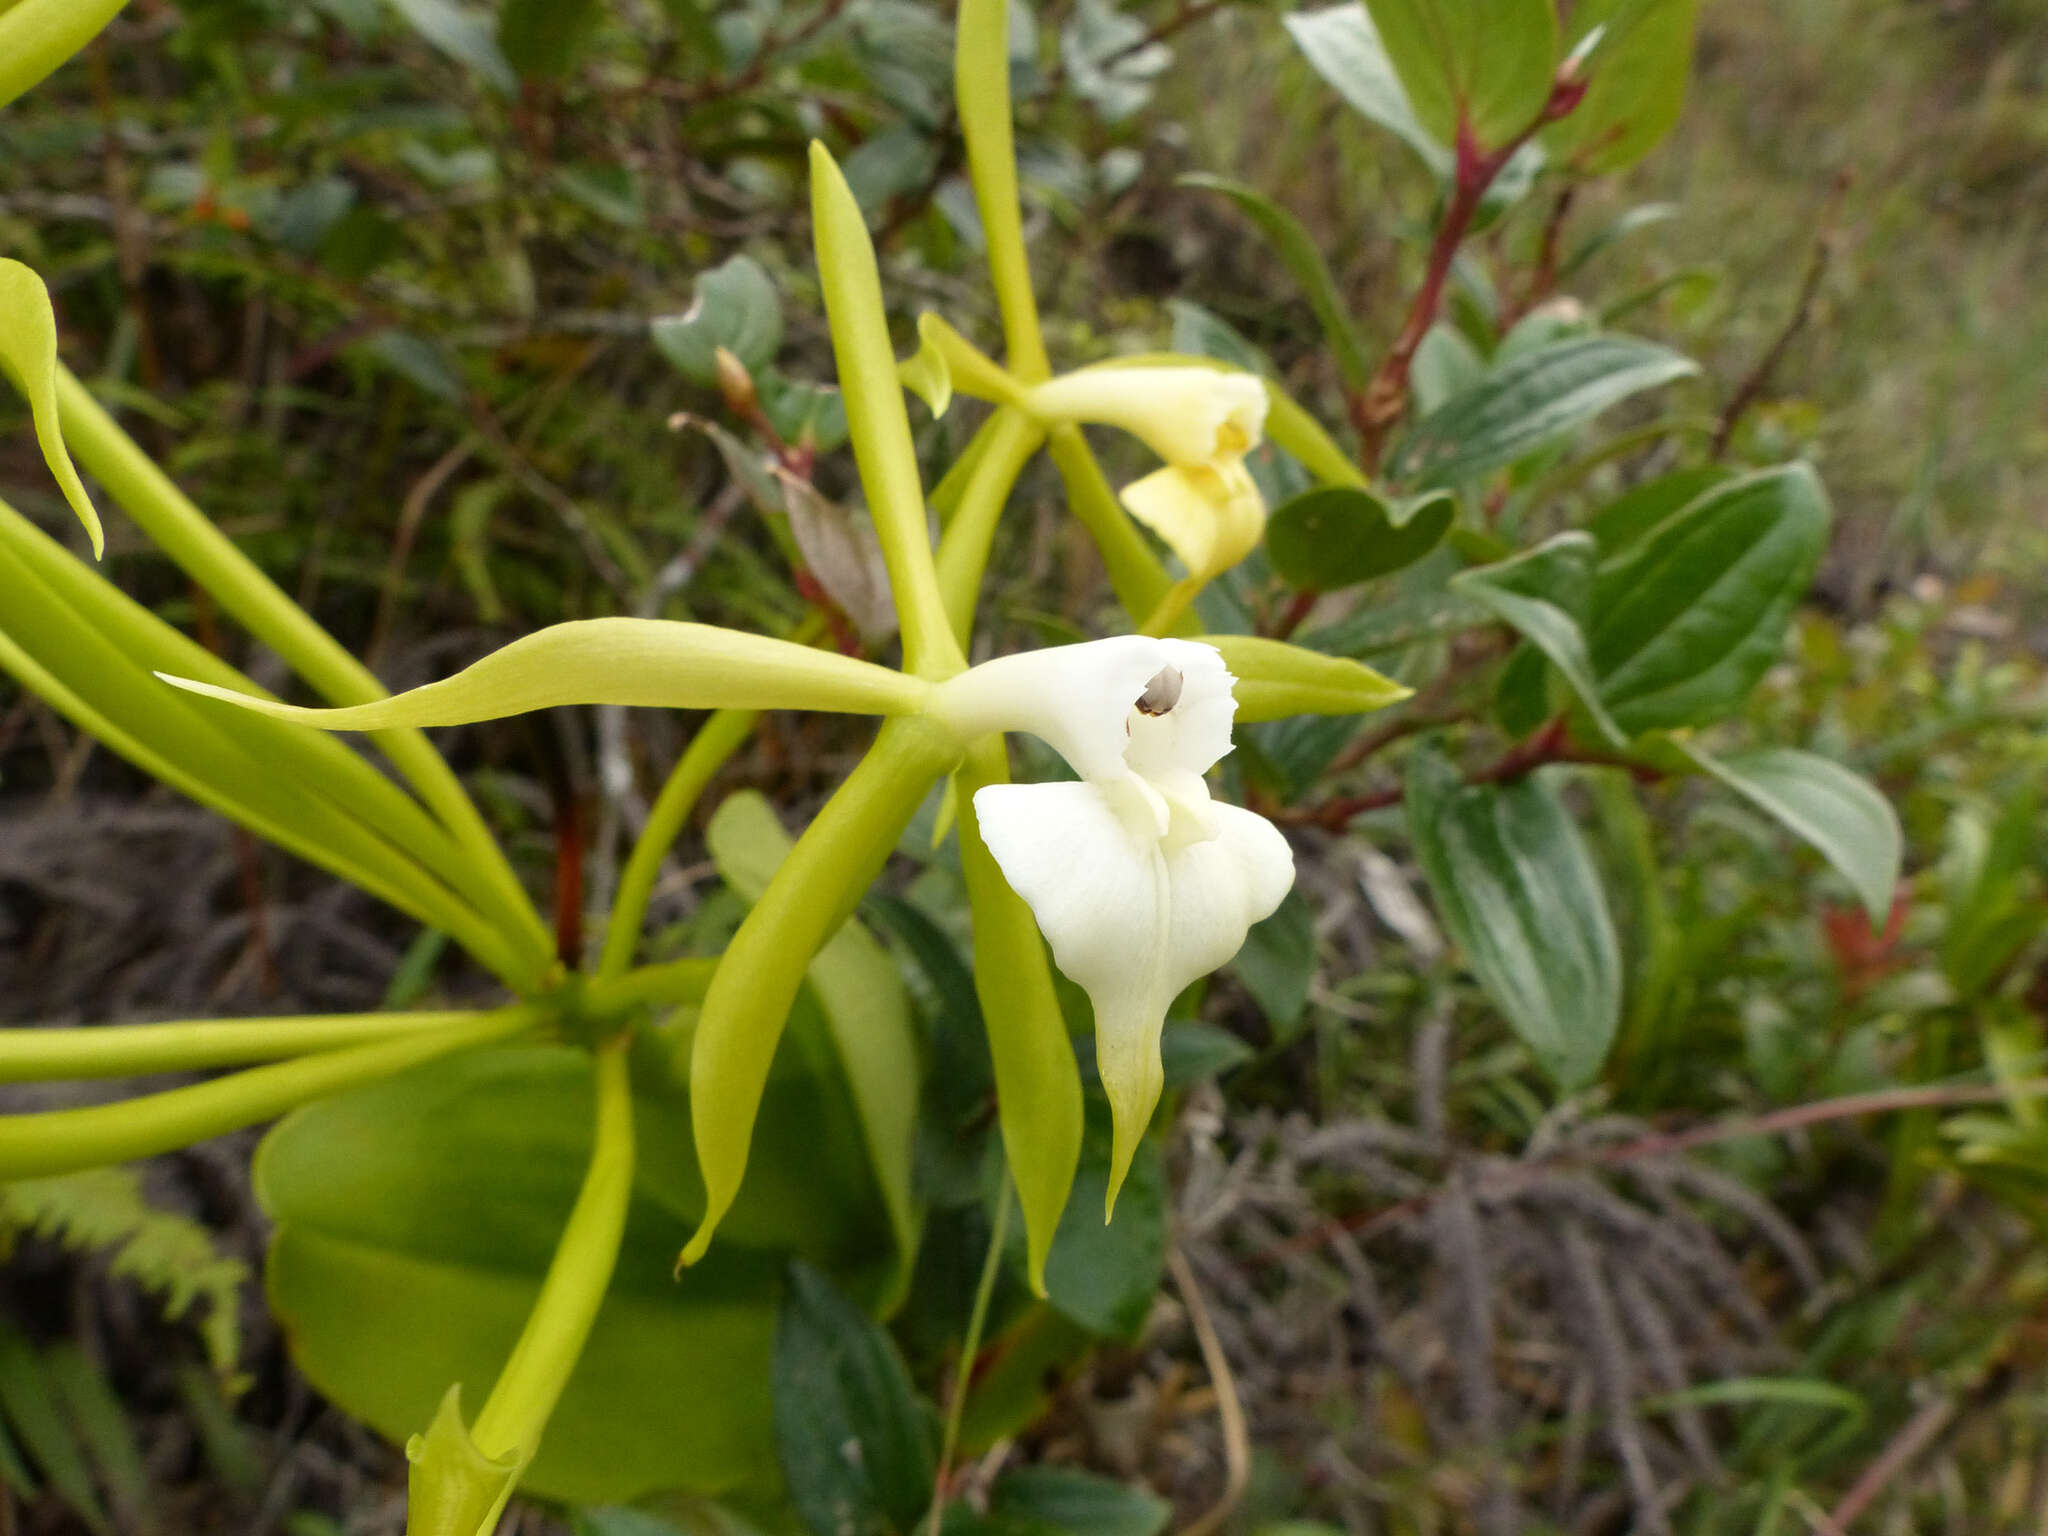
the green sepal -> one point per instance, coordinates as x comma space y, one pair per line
1276, 679
452, 1487
28, 356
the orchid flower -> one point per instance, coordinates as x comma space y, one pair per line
1140, 881
1202, 421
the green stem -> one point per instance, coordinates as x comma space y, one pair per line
664, 985
541, 1363
963, 551
211, 559
970, 1346
720, 737
981, 87
38, 35
1135, 573
64, 1140
137, 1050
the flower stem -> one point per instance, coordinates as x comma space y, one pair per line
541, 1363
63, 1140
715, 742
970, 1347
963, 551
981, 86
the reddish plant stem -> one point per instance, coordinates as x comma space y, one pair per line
1377, 408
1297, 609
569, 880
1543, 282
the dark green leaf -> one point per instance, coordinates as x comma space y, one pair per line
1103, 1275
28, 1404
1543, 594
1517, 890
1338, 535
854, 1439
103, 1425
467, 36
736, 308
1627, 518
1193, 1052
1077, 1503
1530, 403
1304, 262
541, 39
1278, 961
1642, 216
1840, 813
1445, 366
1687, 619
1485, 64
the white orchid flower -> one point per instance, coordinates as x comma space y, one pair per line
1139, 880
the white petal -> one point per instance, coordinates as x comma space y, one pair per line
1193, 736
1076, 698
1099, 889
1218, 889
1188, 416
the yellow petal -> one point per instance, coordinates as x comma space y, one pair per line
1212, 517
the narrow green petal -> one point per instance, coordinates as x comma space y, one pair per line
876, 423
28, 356
981, 86
810, 896
454, 1488
38, 35
620, 661
1038, 1082
1276, 679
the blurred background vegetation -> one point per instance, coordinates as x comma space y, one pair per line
377, 288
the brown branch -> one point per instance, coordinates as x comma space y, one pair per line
1377, 408
1543, 281
1758, 379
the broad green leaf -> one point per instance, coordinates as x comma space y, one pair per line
1516, 889
416, 1217
1543, 594
1634, 513
1076, 1503
1842, 814
861, 992
1338, 535
1192, 1051
1298, 253
541, 39
1276, 679
29, 1407
1278, 962
468, 36
28, 357
736, 308
1530, 403
1343, 45
1446, 365
1637, 75
1642, 216
1104, 1275
854, 1439
1482, 63
1687, 618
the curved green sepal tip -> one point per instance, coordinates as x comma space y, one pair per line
454, 1488
1276, 679
28, 356
925, 374
657, 662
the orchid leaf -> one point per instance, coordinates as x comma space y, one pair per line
28, 356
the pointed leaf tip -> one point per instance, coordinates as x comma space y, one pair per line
28, 356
